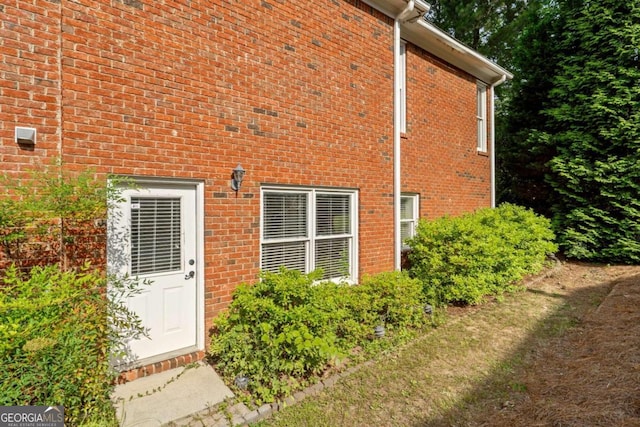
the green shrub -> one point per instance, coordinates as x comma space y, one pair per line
287, 329
54, 216
393, 298
277, 332
60, 324
55, 341
464, 259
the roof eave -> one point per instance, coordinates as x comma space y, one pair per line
430, 38
435, 41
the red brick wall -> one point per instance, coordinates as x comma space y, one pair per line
440, 160
165, 89
29, 81
299, 93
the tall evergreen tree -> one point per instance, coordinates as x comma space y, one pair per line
594, 126
488, 26
522, 159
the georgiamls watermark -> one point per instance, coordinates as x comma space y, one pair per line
31, 416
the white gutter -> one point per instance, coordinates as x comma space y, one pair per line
427, 36
492, 108
397, 186
460, 55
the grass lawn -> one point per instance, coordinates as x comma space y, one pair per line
563, 352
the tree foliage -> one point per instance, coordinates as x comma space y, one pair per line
594, 123
574, 130
522, 157
488, 26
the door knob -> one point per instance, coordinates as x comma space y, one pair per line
190, 275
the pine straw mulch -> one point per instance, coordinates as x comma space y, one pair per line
589, 374
563, 353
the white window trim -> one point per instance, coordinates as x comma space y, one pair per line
403, 86
481, 116
415, 214
311, 226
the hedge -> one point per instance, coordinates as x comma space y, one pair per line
463, 259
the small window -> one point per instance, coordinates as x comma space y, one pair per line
307, 229
403, 87
409, 204
482, 116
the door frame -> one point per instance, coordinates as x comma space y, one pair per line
198, 187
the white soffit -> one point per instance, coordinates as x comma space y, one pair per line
435, 41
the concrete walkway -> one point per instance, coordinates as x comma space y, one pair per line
196, 397
169, 396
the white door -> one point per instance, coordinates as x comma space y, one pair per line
159, 224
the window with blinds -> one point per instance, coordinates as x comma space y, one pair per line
408, 216
284, 216
333, 228
307, 229
481, 99
285, 227
155, 235
332, 256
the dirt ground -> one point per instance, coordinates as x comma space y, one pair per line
588, 374
565, 352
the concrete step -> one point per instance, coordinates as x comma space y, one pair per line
168, 396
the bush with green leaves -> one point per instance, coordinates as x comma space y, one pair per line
464, 259
276, 332
287, 329
56, 340
392, 298
53, 216
62, 319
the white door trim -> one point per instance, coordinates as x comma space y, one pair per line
198, 186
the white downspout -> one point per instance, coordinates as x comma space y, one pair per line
397, 189
492, 109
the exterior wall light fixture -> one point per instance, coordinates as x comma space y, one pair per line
236, 178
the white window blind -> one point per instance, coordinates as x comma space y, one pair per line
332, 256
408, 215
292, 255
307, 229
285, 215
332, 214
155, 235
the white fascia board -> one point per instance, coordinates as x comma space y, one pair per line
434, 40
440, 44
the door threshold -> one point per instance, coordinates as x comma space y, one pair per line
163, 362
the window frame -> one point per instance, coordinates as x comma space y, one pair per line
312, 236
415, 215
481, 116
144, 258
403, 86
